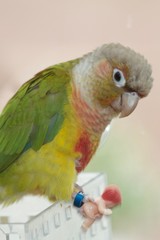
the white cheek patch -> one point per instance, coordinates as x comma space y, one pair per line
82, 79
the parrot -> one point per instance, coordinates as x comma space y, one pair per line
52, 126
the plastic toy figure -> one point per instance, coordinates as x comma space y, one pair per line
102, 205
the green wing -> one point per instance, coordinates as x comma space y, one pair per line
34, 114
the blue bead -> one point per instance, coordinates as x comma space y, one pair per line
78, 201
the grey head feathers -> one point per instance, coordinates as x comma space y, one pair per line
140, 70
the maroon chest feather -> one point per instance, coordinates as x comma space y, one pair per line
86, 148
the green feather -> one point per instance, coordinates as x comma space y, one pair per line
34, 115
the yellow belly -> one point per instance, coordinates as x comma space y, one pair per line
49, 171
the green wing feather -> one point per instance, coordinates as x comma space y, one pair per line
34, 114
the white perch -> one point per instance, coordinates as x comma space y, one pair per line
35, 218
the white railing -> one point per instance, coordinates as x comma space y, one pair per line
35, 218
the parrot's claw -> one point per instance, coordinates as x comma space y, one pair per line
77, 188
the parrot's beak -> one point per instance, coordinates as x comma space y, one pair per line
126, 103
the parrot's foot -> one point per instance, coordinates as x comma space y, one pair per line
77, 188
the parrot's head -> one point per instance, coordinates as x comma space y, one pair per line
113, 77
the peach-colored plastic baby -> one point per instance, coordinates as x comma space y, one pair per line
102, 205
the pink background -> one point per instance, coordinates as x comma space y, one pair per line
35, 34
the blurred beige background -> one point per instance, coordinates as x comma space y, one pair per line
37, 33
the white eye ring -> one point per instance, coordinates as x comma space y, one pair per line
118, 78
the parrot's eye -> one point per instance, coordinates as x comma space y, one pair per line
118, 78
